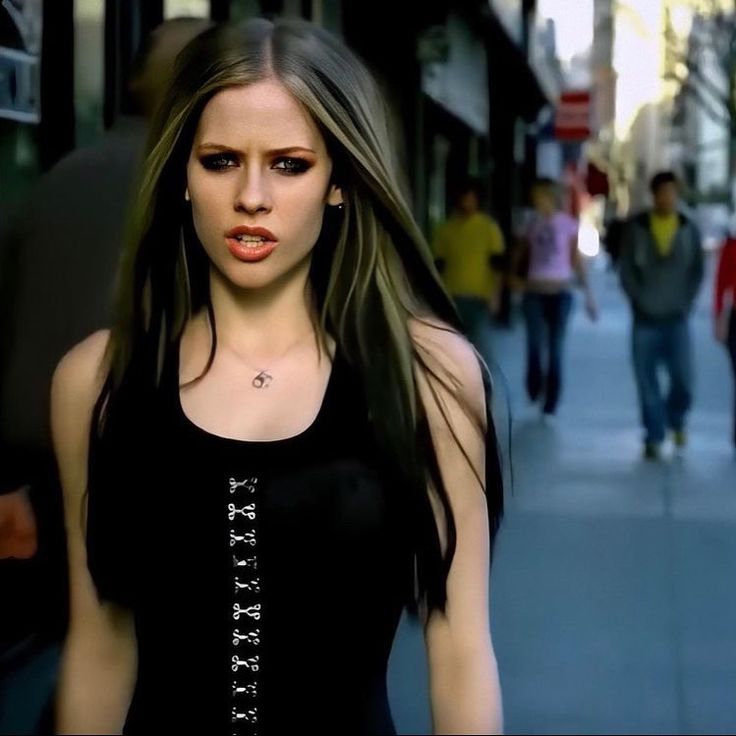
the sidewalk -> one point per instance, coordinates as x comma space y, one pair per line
614, 586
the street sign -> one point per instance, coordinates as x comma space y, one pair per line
572, 122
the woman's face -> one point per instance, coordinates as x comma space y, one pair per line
258, 178
543, 200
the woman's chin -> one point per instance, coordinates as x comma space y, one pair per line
259, 275
256, 280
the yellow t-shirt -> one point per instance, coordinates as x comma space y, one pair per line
664, 228
466, 244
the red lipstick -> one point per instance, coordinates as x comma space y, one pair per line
250, 244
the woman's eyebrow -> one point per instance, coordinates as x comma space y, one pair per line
273, 152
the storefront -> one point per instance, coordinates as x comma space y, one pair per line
457, 81
63, 66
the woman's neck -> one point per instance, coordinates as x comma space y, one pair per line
261, 322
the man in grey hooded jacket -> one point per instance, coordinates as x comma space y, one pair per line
661, 273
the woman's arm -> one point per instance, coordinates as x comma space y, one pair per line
519, 264
98, 666
464, 684
581, 272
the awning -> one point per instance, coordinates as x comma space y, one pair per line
509, 71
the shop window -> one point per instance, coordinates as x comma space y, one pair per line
89, 44
188, 8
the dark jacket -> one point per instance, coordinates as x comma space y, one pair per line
58, 259
661, 288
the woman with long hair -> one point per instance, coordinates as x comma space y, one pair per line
553, 265
283, 441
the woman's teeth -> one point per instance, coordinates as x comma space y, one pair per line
250, 240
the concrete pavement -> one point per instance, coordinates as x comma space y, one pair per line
614, 587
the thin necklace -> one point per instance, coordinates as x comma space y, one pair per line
264, 376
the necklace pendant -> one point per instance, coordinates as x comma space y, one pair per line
262, 380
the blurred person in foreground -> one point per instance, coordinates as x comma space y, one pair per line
552, 266
284, 441
724, 303
466, 250
58, 258
661, 271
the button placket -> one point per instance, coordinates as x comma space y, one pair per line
242, 514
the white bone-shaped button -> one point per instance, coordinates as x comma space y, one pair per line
251, 663
250, 716
247, 512
248, 538
251, 586
251, 637
253, 612
249, 485
250, 690
250, 562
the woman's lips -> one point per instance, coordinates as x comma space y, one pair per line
250, 244
250, 253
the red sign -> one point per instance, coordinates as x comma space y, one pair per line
572, 122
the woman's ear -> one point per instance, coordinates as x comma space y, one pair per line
334, 196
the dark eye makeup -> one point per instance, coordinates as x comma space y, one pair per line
288, 165
218, 161
291, 165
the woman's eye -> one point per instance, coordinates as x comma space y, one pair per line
291, 165
219, 161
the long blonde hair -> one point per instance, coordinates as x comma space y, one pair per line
372, 270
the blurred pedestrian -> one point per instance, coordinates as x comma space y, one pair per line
552, 266
467, 248
287, 439
725, 308
661, 272
612, 242
58, 258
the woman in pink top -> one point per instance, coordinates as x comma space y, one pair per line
550, 248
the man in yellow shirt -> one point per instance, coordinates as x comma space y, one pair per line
464, 248
664, 225
661, 269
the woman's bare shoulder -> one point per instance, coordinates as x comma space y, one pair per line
82, 368
444, 347
78, 380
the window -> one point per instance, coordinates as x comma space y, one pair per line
188, 8
89, 39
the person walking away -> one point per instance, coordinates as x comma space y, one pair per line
550, 247
661, 273
725, 308
466, 247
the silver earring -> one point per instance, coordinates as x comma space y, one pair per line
187, 198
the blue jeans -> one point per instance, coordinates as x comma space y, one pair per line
656, 345
546, 318
476, 317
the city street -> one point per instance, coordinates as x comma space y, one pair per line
613, 592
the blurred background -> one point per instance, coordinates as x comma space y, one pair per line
614, 585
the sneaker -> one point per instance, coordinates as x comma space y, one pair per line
679, 437
549, 419
652, 451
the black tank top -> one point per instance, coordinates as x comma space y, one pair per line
267, 579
